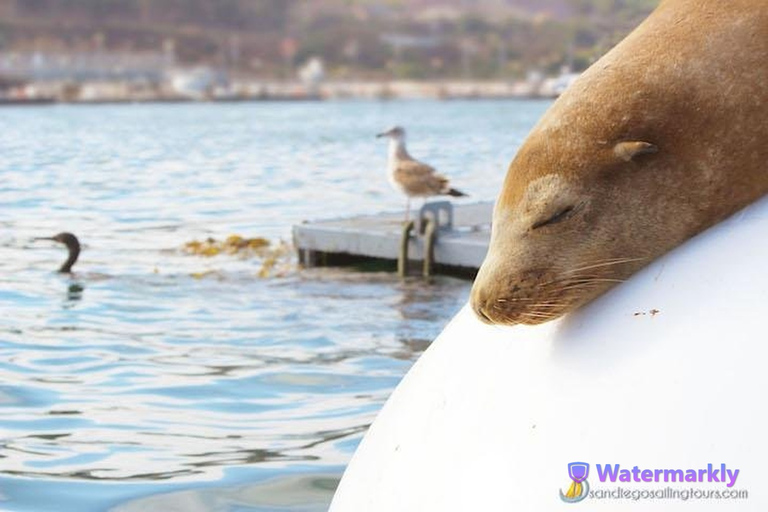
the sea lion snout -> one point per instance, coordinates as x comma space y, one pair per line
483, 302
522, 279
511, 298
491, 309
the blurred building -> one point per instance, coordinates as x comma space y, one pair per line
81, 66
206, 49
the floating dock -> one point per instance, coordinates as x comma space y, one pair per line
461, 242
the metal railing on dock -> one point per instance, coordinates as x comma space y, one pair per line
458, 244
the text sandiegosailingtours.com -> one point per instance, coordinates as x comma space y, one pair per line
722, 477
667, 493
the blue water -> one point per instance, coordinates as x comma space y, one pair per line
153, 379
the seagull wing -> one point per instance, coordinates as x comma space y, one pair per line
418, 179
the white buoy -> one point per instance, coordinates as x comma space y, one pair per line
666, 371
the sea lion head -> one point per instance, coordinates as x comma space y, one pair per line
642, 152
561, 235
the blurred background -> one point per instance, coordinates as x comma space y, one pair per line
140, 50
174, 372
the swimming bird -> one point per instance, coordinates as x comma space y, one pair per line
413, 178
73, 246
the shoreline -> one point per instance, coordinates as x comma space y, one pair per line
132, 101
93, 93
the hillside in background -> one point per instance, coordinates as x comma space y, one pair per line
355, 38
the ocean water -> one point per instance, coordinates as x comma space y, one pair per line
155, 379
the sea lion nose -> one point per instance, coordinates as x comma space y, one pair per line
481, 314
479, 302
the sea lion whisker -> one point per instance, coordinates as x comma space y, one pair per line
582, 284
600, 266
577, 287
590, 278
565, 281
579, 278
604, 280
605, 260
571, 278
530, 318
537, 313
555, 281
605, 263
535, 316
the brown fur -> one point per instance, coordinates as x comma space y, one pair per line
663, 137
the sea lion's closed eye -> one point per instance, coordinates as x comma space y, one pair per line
561, 215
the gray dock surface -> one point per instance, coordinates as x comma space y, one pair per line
354, 239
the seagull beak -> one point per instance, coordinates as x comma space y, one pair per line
383, 134
44, 238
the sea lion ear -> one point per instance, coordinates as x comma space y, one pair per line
630, 149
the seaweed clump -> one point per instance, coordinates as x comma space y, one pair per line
275, 258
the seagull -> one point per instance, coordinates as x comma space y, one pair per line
410, 176
73, 246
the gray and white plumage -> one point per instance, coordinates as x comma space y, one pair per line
413, 178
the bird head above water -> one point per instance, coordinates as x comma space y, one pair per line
73, 246
396, 133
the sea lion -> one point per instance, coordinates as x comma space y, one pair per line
663, 137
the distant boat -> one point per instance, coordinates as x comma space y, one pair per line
554, 87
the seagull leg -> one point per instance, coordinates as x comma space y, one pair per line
407, 208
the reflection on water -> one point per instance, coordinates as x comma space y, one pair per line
153, 379
74, 293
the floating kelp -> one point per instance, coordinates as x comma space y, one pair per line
276, 259
233, 244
